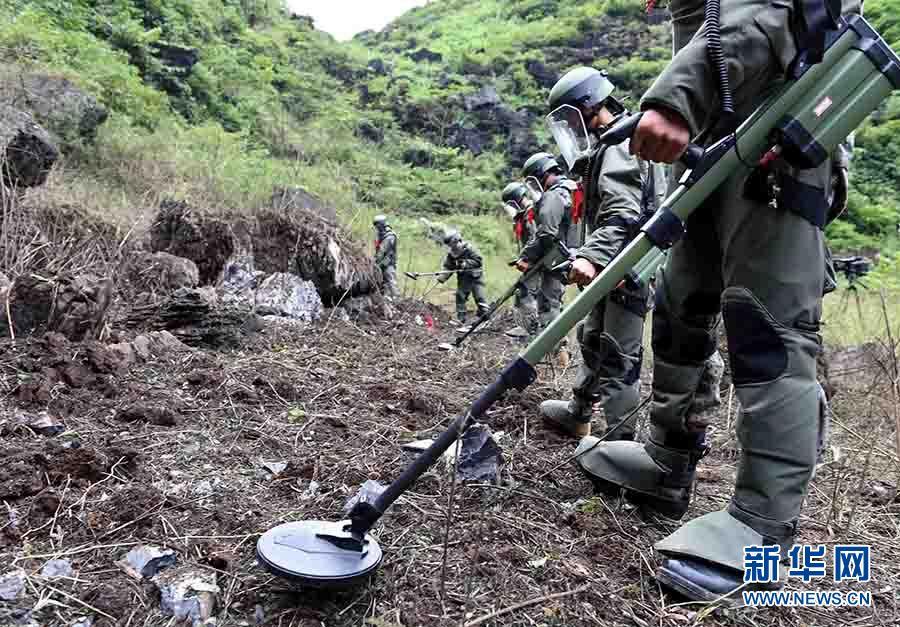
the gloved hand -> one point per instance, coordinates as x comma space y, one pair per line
522, 265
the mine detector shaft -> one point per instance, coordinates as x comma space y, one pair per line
803, 122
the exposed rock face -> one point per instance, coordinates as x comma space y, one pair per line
206, 240
75, 306
290, 240
27, 151
71, 115
545, 76
423, 54
297, 198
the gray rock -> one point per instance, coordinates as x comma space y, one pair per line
82, 621
30, 151
71, 115
155, 345
147, 561
288, 295
56, 569
12, 584
485, 98
276, 468
479, 456
42, 423
239, 281
188, 592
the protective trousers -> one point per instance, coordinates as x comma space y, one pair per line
389, 287
611, 348
766, 264
549, 290
466, 286
527, 306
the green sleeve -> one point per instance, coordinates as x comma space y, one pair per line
758, 45
550, 215
619, 193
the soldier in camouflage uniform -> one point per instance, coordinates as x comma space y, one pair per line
386, 254
619, 190
467, 261
553, 217
519, 203
757, 256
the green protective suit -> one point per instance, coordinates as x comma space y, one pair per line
386, 260
470, 281
611, 337
751, 255
553, 217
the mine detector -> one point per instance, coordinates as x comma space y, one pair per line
803, 122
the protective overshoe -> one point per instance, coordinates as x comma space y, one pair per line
704, 559
572, 417
658, 479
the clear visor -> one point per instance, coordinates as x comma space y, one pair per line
535, 189
566, 124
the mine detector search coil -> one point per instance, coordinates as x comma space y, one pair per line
804, 121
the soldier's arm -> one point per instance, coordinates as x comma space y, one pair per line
758, 46
553, 210
620, 186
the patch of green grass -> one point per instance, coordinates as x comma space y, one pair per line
855, 317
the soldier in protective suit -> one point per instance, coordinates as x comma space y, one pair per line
518, 202
619, 191
553, 217
386, 254
755, 253
467, 261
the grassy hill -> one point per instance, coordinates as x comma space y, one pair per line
220, 101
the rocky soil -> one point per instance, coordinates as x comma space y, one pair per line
199, 451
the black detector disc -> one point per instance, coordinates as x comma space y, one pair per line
296, 551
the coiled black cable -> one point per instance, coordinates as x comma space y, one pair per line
717, 57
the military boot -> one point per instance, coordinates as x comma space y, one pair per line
657, 476
570, 417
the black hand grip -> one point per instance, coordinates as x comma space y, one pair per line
621, 130
692, 155
625, 128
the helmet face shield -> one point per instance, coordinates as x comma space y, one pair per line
535, 189
567, 127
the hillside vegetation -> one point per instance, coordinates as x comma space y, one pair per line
219, 101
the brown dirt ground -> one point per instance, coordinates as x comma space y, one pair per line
170, 453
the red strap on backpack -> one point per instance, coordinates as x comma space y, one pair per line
519, 230
577, 204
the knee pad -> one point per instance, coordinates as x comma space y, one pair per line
691, 340
755, 345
